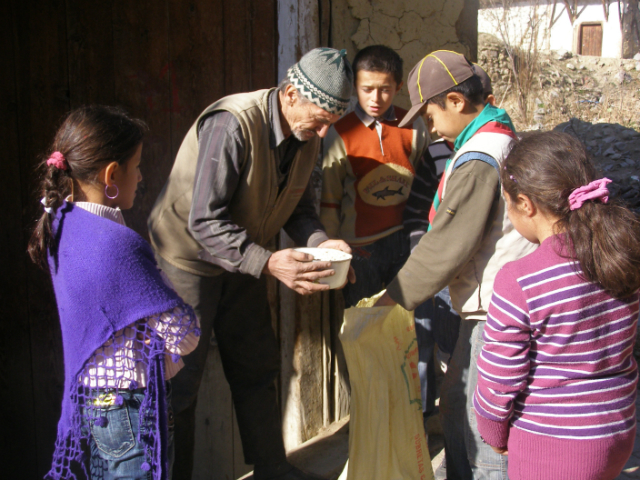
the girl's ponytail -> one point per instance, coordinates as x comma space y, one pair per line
88, 140
55, 186
606, 242
603, 237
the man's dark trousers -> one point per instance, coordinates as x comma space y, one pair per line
236, 308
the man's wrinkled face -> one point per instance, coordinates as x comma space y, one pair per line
307, 120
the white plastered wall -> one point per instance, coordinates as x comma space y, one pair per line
562, 35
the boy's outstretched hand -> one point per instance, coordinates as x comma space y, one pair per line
343, 247
336, 244
385, 301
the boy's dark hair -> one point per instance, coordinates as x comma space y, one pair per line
471, 89
604, 238
89, 139
378, 58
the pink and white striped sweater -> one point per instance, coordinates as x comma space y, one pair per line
557, 370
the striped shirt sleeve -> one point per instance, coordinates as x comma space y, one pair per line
416, 211
503, 364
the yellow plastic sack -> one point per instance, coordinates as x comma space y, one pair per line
386, 433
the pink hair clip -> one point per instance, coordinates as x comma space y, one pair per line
57, 160
596, 190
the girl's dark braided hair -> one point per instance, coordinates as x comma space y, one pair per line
89, 139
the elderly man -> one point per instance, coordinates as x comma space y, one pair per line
241, 174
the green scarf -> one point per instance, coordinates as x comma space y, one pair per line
489, 114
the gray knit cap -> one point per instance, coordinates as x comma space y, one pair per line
324, 76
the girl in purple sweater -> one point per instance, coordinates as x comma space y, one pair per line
556, 375
123, 328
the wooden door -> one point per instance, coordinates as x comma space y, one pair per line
164, 61
591, 39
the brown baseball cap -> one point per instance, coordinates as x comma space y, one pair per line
484, 78
434, 74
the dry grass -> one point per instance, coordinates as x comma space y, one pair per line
612, 107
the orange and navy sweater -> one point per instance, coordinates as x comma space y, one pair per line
367, 173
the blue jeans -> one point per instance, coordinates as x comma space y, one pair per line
115, 450
436, 323
375, 266
467, 456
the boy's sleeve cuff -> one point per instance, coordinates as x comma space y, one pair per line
316, 239
398, 295
495, 434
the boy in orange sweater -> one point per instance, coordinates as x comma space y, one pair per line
367, 172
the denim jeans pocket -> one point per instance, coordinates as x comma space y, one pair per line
116, 437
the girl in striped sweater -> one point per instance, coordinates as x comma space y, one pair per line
556, 375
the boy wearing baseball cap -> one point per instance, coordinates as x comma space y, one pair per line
470, 238
416, 212
436, 322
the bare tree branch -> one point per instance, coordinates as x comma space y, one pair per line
553, 14
605, 7
620, 13
523, 49
629, 26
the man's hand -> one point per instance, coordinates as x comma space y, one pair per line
298, 271
385, 301
344, 247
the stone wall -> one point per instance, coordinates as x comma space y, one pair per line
411, 27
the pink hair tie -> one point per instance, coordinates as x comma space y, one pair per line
57, 160
596, 190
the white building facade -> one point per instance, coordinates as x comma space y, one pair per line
595, 31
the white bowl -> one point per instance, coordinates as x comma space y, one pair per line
340, 262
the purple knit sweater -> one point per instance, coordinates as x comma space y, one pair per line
105, 278
556, 375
